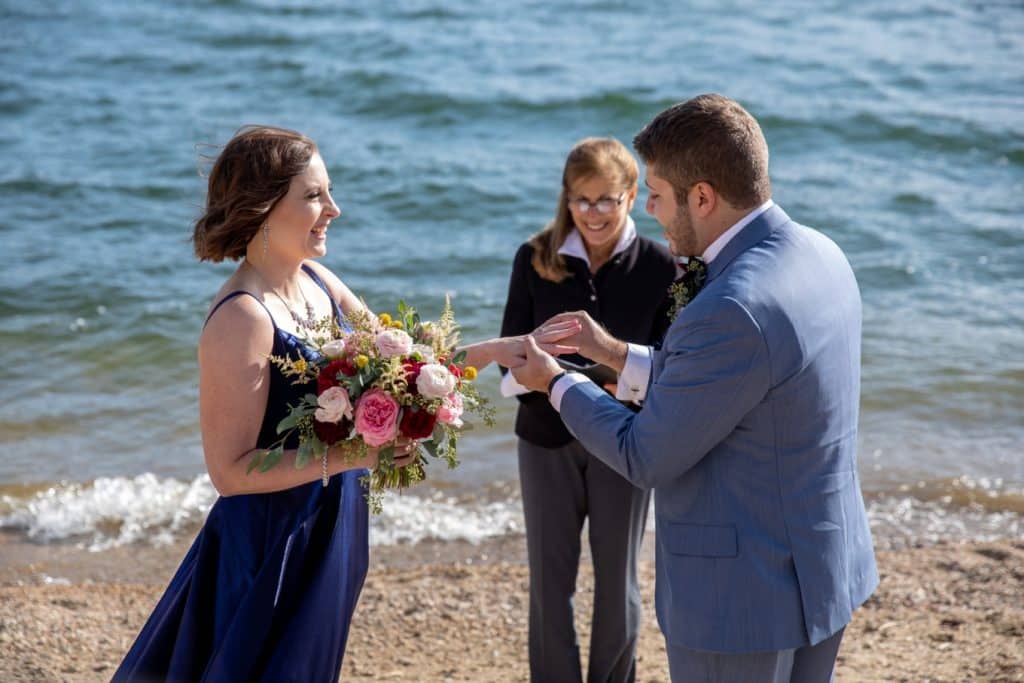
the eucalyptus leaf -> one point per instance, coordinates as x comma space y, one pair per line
304, 455
287, 423
254, 462
271, 458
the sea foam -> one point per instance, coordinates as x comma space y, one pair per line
114, 511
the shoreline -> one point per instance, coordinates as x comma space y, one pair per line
438, 611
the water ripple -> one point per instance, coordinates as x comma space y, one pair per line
894, 128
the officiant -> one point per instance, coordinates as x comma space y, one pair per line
591, 258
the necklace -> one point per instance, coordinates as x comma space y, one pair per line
309, 322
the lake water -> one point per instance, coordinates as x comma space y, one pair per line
894, 128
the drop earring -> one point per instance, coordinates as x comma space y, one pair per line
266, 239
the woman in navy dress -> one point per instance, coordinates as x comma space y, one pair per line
268, 588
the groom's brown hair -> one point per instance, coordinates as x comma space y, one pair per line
711, 139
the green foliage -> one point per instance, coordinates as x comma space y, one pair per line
303, 455
271, 458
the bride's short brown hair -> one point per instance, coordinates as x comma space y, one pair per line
249, 176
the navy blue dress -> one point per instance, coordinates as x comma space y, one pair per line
267, 591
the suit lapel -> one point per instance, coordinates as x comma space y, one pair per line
758, 230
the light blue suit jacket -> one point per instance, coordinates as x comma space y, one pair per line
748, 436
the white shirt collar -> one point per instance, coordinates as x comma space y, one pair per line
716, 247
573, 245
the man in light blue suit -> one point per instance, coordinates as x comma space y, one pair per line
748, 430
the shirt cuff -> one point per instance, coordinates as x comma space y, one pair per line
569, 380
635, 375
510, 387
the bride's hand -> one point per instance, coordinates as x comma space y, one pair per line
405, 451
511, 351
507, 351
404, 454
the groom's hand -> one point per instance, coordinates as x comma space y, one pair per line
593, 341
539, 368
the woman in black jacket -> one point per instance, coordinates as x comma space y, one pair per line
589, 257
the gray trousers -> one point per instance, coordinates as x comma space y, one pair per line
561, 488
810, 664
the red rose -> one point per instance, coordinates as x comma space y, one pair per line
328, 376
330, 432
412, 371
417, 423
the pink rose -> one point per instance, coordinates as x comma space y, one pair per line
377, 418
334, 405
393, 343
450, 412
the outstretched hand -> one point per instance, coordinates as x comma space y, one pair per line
578, 329
510, 352
538, 368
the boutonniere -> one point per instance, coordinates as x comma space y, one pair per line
686, 286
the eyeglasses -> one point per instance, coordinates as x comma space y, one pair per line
604, 206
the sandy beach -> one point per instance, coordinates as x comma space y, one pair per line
456, 611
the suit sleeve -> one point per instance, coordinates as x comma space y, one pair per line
715, 370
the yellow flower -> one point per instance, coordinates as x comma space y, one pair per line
469, 373
300, 365
361, 361
397, 324
385, 319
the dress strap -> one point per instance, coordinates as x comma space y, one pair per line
232, 295
316, 278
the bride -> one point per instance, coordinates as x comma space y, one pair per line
268, 588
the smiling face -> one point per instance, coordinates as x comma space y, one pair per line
600, 231
672, 215
298, 223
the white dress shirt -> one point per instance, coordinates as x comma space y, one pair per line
636, 373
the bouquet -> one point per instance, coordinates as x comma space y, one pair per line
387, 378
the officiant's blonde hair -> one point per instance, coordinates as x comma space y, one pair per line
589, 158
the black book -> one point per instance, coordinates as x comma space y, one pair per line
598, 373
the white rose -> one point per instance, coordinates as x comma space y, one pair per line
435, 381
426, 352
334, 349
393, 343
334, 405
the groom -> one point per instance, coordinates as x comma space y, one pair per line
748, 432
